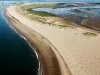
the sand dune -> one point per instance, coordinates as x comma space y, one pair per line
80, 53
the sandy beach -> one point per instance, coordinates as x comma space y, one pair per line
61, 52
50, 62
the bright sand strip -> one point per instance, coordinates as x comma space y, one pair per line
49, 57
80, 53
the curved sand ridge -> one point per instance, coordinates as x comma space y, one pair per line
80, 53
51, 61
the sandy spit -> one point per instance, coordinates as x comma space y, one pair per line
50, 59
72, 50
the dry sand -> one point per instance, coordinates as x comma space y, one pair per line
80, 53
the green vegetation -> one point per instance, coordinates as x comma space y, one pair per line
40, 13
0, 5
17, 3
90, 34
29, 8
39, 16
25, 7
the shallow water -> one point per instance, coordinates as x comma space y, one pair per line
16, 55
73, 9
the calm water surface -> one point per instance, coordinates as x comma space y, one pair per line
16, 56
73, 9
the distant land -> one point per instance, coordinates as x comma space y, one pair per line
56, 0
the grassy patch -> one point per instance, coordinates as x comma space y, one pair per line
39, 6
40, 16
0, 5
40, 13
90, 34
29, 8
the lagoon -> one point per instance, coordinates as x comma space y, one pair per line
73, 9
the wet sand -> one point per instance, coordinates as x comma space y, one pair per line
93, 23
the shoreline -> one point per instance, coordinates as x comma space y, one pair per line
40, 69
54, 68
22, 36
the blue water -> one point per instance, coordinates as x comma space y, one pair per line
73, 9
16, 56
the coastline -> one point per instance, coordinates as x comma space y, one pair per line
75, 52
48, 59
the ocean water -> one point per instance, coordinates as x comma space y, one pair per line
16, 55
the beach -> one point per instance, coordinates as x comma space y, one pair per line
61, 51
43, 47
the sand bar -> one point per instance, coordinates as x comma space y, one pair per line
80, 53
49, 58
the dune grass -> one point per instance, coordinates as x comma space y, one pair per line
0, 5
29, 8
52, 5
41, 16
90, 34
